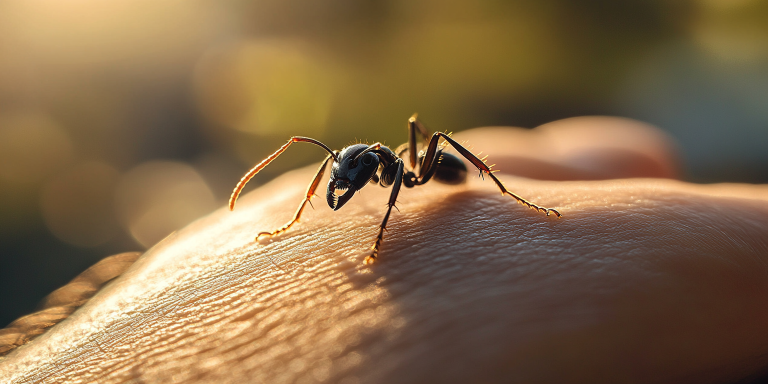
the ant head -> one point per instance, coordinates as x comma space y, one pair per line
350, 173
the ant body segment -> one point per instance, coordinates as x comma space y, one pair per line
357, 165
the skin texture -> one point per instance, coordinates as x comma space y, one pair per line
642, 281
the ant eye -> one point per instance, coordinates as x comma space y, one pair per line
368, 159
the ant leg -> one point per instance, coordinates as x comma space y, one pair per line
430, 161
310, 192
392, 199
413, 126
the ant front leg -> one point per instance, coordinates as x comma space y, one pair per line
392, 199
431, 161
310, 192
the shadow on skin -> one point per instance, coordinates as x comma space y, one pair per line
641, 281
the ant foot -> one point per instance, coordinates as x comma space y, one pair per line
267, 234
370, 259
558, 214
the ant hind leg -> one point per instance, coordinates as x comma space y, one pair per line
430, 161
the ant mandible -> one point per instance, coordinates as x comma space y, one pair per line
359, 164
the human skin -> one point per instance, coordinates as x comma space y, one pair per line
642, 280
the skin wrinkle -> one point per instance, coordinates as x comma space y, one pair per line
539, 377
526, 299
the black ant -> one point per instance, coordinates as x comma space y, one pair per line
360, 164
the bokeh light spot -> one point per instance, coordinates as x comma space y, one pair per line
732, 31
264, 87
159, 197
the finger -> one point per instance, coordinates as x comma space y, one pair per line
469, 288
581, 148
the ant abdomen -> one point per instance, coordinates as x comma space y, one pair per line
450, 170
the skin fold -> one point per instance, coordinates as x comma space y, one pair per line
643, 280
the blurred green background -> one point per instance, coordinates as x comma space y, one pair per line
122, 120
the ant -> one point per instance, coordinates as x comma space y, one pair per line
359, 164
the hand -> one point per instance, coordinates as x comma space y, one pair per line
642, 280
